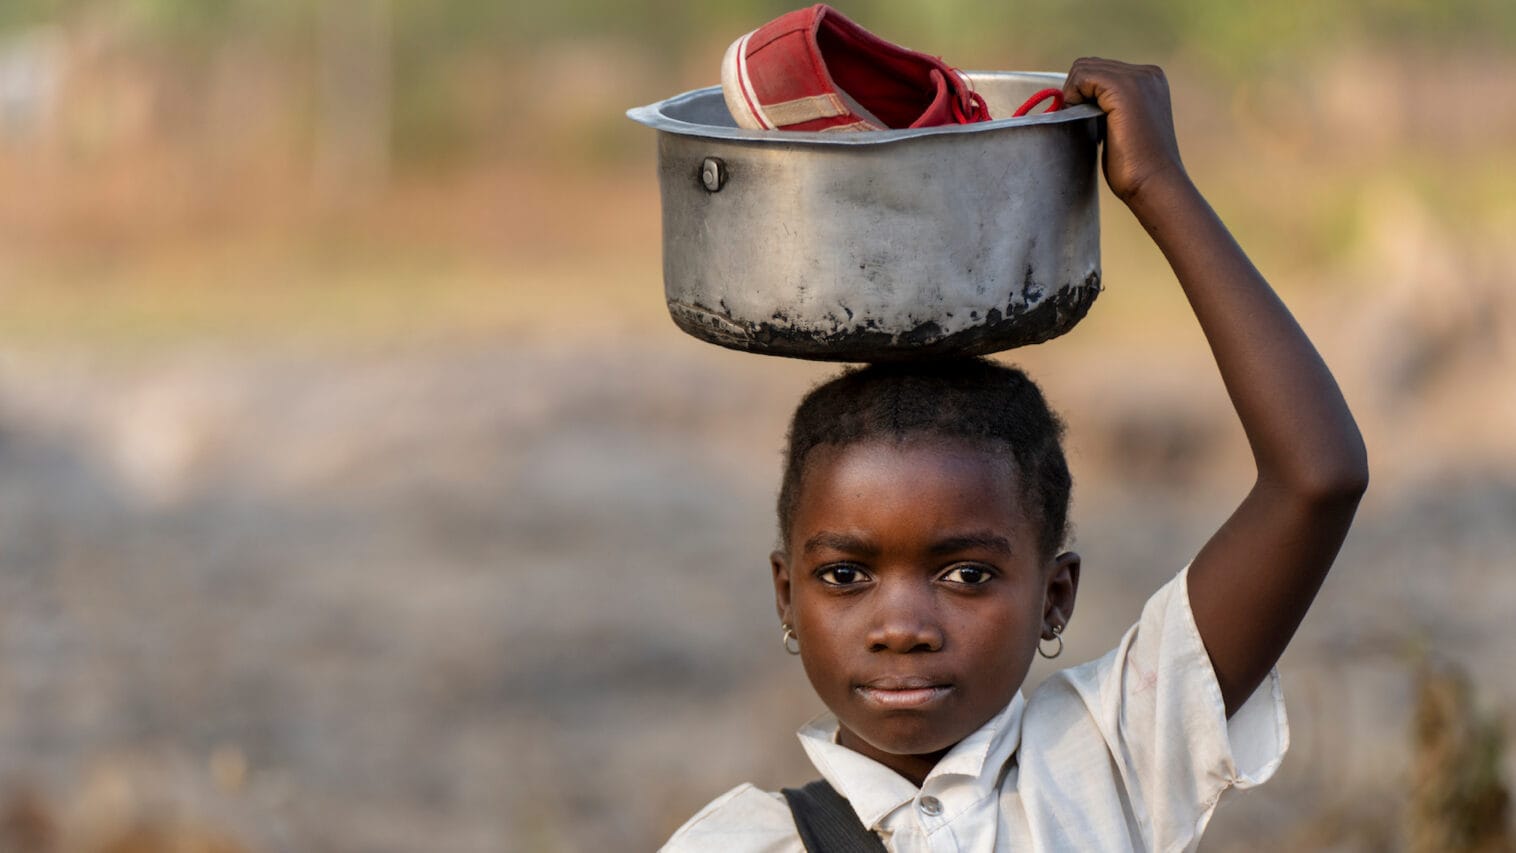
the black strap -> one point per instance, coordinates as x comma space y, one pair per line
827, 822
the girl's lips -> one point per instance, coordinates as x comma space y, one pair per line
903, 697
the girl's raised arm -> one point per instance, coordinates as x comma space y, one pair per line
1252, 583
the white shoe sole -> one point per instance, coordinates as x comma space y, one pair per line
742, 101
737, 89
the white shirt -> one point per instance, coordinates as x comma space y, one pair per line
1129, 752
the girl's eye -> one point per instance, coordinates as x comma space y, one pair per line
841, 575
968, 575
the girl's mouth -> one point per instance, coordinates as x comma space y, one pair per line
892, 694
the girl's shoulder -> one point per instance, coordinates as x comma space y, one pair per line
746, 819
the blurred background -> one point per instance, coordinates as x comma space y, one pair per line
357, 494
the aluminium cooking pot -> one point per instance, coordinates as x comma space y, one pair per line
880, 245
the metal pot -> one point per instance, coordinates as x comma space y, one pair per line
879, 245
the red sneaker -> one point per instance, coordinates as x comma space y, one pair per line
813, 69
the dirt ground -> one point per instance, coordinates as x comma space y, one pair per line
443, 595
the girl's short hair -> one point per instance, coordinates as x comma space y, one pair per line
966, 398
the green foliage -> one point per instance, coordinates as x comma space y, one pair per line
1226, 32
444, 53
165, 20
15, 13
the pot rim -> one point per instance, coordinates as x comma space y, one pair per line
656, 116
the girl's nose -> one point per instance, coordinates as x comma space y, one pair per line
904, 622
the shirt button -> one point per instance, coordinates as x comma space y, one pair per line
931, 806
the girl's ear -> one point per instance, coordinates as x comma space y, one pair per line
1062, 589
780, 562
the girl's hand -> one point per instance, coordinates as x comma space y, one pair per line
1139, 142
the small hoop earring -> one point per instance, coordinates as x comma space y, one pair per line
790, 641
1057, 635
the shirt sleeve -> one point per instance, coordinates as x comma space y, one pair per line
1158, 706
745, 819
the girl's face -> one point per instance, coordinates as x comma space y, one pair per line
914, 584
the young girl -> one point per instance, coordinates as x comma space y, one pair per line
923, 514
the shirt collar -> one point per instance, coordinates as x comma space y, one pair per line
875, 790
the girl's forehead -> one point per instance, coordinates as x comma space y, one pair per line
929, 477
941, 456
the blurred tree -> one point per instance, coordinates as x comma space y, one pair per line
353, 121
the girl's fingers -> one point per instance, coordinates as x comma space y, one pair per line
1084, 81
1072, 85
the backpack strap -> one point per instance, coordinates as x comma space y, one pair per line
827, 822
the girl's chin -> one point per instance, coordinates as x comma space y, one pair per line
921, 739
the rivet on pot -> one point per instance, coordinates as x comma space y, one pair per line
713, 174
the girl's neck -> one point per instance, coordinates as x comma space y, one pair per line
913, 767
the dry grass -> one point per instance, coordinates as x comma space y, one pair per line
1460, 802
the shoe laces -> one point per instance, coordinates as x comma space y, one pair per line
969, 106
1056, 95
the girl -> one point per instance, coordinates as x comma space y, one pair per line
922, 518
